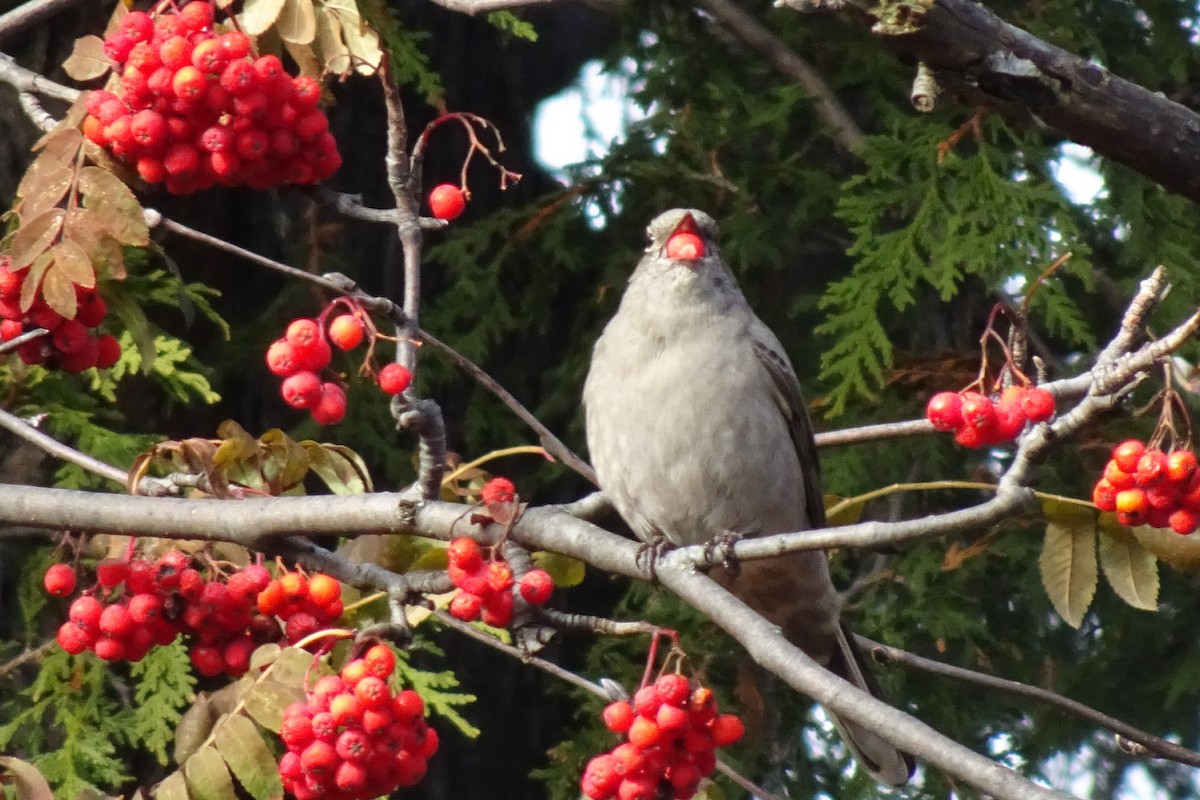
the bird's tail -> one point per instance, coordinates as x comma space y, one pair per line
794, 592
886, 764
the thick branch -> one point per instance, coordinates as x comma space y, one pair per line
975, 53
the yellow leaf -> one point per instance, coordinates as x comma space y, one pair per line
58, 291
74, 263
30, 784
173, 788
1181, 552
34, 237
333, 50
114, 206
305, 58
1131, 571
33, 280
1068, 566
87, 59
258, 15
297, 22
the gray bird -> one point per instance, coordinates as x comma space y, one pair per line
697, 429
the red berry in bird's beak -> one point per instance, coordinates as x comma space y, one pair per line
685, 246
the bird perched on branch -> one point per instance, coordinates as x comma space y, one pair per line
697, 430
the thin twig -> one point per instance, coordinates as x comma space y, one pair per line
24, 80
35, 654
1154, 744
29, 14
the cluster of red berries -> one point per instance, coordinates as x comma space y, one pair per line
671, 731
354, 739
1146, 486
447, 201
304, 603
978, 421
195, 107
485, 587
72, 344
304, 351
137, 604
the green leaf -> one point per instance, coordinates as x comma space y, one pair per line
565, 571
508, 21
342, 470
1131, 570
1068, 567
207, 776
267, 700
241, 744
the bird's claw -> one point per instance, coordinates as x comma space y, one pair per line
719, 549
650, 552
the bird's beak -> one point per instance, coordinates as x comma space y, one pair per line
686, 225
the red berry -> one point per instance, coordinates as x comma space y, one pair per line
1181, 465
978, 411
1132, 500
238, 78
394, 379
116, 621
498, 490
92, 309
137, 25
331, 408
181, 159
646, 701
110, 648
312, 126
499, 576
346, 331
85, 611
71, 336
346, 709
303, 332
176, 54
726, 729
447, 201
324, 590
671, 718
618, 716
1151, 467
302, 390
319, 757
59, 580
210, 57
235, 44
643, 732
111, 572
600, 780
1104, 495
1009, 423
685, 246
497, 609
464, 552
1037, 404
1184, 521
465, 606
1117, 477
944, 410
672, 688
196, 15
73, 638
306, 92
281, 358
536, 586
11, 329
118, 46
1127, 454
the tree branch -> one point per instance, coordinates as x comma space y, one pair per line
983, 58
1155, 745
751, 33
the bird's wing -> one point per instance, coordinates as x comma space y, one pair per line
786, 393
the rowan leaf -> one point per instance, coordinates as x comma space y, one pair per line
207, 776
29, 783
57, 288
60, 144
35, 237
1181, 552
44, 185
361, 41
297, 22
32, 284
173, 788
87, 59
1068, 567
114, 205
342, 470
333, 50
74, 263
305, 58
1131, 570
241, 744
267, 700
258, 15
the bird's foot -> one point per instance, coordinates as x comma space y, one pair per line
650, 552
719, 549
